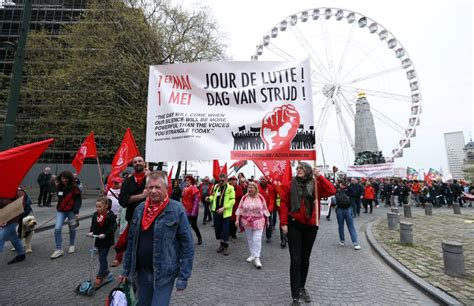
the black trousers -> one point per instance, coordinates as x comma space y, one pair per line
300, 243
44, 191
193, 221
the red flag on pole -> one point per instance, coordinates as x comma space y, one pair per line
15, 164
428, 180
223, 169
170, 175
217, 169
87, 150
127, 151
277, 172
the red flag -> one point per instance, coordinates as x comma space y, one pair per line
223, 169
170, 175
217, 169
15, 164
277, 172
428, 180
238, 165
87, 150
127, 151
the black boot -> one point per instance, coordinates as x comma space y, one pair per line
221, 248
226, 249
17, 258
199, 240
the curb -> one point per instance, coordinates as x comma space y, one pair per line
435, 293
50, 226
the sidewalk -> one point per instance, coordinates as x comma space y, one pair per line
45, 216
425, 257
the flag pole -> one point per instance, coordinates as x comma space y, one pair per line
316, 193
100, 176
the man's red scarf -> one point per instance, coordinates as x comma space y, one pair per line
101, 218
139, 177
152, 211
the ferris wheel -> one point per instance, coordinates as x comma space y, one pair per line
350, 55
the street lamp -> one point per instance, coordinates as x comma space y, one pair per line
14, 96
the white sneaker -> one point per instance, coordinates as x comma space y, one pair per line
341, 243
72, 249
251, 258
258, 264
356, 247
57, 253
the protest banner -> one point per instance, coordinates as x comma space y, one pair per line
378, 170
230, 111
11, 210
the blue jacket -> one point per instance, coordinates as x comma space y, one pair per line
172, 255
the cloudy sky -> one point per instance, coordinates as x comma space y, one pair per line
437, 35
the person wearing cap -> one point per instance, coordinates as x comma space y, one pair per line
113, 195
190, 200
43, 181
300, 210
205, 189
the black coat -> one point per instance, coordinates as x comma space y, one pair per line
129, 188
108, 229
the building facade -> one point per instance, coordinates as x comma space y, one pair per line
50, 16
454, 143
468, 165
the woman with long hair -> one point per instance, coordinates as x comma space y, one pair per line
69, 203
300, 212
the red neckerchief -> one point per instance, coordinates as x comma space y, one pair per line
152, 211
101, 219
139, 177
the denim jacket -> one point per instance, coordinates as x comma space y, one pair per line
173, 248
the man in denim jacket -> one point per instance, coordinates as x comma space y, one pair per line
160, 245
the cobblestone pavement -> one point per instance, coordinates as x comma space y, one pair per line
425, 257
338, 275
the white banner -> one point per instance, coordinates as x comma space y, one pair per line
378, 170
230, 111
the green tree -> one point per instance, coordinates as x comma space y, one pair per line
94, 75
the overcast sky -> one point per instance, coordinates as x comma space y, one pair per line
437, 35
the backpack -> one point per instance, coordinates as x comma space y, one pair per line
342, 200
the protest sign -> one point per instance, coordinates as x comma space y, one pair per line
11, 210
378, 170
230, 110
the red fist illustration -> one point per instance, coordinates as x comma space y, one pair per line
280, 126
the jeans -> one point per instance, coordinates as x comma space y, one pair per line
221, 227
355, 206
207, 212
9, 233
254, 239
300, 243
60, 218
346, 214
147, 295
103, 265
193, 221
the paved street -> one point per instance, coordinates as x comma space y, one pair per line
338, 275
425, 256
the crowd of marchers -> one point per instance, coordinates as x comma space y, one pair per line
148, 220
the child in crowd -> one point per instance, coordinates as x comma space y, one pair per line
103, 224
